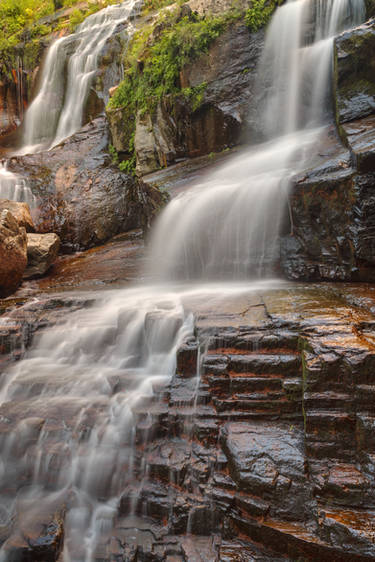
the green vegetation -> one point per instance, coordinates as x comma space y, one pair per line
195, 95
128, 165
20, 24
157, 55
260, 13
78, 15
159, 52
15, 15
154, 5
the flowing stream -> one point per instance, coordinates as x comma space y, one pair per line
80, 382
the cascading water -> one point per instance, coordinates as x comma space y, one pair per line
229, 226
14, 188
78, 384
68, 74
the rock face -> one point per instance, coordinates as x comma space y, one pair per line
333, 204
177, 128
9, 108
355, 73
21, 212
84, 198
13, 256
267, 455
42, 250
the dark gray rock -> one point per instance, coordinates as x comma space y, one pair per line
82, 197
355, 73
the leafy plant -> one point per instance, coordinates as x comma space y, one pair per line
153, 66
195, 95
260, 13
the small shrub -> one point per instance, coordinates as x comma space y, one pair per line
260, 13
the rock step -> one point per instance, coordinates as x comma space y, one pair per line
264, 395
259, 415
206, 431
295, 541
327, 400
225, 383
143, 411
249, 405
324, 420
255, 383
255, 340
265, 363
365, 397
257, 351
323, 450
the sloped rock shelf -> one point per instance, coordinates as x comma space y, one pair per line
267, 455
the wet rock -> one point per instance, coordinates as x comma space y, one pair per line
85, 200
37, 540
42, 250
187, 357
349, 528
179, 127
10, 110
13, 258
321, 244
355, 71
267, 461
20, 211
360, 137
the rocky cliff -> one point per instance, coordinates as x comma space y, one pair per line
332, 203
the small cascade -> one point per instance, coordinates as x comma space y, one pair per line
14, 188
68, 75
100, 371
229, 226
296, 62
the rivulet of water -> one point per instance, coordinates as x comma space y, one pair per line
75, 392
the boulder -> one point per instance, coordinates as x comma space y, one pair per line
21, 212
13, 257
42, 250
85, 199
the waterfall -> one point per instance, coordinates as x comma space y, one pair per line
99, 369
81, 381
14, 188
69, 71
229, 226
296, 62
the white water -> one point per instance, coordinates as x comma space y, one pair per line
68, 75
229, 226
14, 188
296, 62
94, 369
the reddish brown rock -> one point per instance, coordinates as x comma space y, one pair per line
13, 257
21, 212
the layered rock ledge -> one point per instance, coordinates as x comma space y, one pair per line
268, 455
